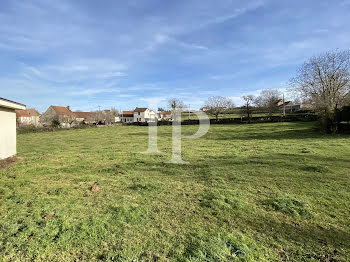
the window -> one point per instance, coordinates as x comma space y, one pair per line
139, 113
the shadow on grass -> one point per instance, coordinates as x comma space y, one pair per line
315, 241
302, 162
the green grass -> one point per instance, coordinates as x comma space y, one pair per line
261, 192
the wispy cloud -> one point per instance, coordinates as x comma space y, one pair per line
83, 70
162, 39
93, 91
236, 13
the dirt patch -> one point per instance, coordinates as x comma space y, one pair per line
49, 216
5, 163
95, 187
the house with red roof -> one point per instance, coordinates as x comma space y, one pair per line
165, 115
86, 117
140, 114
127, 117
28, 117
59, 114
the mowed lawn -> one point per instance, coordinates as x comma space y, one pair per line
260, 192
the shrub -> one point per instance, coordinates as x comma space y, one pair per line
343, 115
55, 124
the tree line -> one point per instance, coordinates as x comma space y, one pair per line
323, 82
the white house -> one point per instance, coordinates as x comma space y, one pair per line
28, 117
144, 115
127, 117
8, 127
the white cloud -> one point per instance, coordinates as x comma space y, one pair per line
92, 91
82, 70
236, 13
161, 39
237, 100
154, 102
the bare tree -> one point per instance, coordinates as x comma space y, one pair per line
347, 100
109, 115
175, 103
218, 105
99, 116
92, 118
176, 106
324, 80
249, 100
268, 100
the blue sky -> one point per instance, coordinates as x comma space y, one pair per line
123, 54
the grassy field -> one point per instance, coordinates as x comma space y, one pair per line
192, 116
261, 192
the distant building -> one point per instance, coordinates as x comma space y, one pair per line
221, 108
292, 108
28, 117
281, 102
306, 106
58, 113
127, 117
110, 116
86, 117
289, 106
165, 116
142, 114
8, 127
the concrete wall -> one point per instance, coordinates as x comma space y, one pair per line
7, 132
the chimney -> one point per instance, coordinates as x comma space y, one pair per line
68, 107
